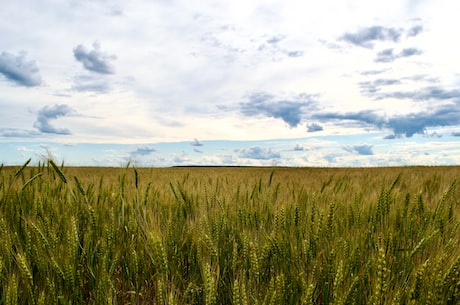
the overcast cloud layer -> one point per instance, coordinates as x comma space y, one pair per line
334, 83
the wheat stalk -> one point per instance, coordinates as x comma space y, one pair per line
58, 171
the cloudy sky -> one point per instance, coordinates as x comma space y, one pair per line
276, 82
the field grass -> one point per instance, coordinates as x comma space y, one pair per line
229, 235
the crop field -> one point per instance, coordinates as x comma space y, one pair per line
229, 235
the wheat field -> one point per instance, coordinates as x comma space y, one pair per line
229, 235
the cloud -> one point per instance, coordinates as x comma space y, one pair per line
276, 39
232, 43
414, 31
272, 48
181, 158
372, 87
362, 149
294, 53
90, 83
94, 60
196, 143
372, 72
456, 133
143, 151
385, 82
410, 52
406, 124
314, 127
416, 123
423, 94
17, 133
289, 110
365, 117
298, 148
387, 55
433, 134
48, 113
366, 36
423, 77
17, 69
390, 137
259, 153
228, 159
115, 11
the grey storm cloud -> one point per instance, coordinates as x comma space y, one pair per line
366, 36
314, 127
388, 55
259, 153
17, 69
94, 60
361, 149
289, 110
143, 151
407, 124
48, 113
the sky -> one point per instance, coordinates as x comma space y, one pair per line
266, 83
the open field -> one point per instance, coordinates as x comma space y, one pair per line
226, 235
